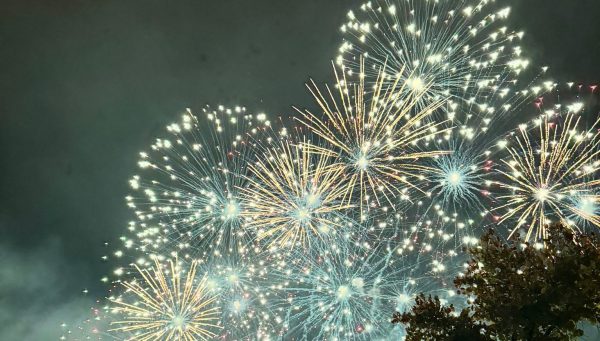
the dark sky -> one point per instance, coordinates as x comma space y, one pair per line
86, 85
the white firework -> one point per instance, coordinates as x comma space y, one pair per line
458, 50
187, 194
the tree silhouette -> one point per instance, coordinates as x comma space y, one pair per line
430, 320
519, 291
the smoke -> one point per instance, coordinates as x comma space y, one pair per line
36, 296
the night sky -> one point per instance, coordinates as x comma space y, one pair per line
86, 85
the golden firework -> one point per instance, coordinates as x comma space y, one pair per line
294, 195
379, 135
548, 176
168, 306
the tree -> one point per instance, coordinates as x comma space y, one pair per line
430, 320
523, 291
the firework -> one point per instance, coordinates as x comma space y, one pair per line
423, 227
187, 196
548, 173
346, 293
294, 197
457, 180
243, 293
376, 138
458, 50
460, 178
168, 306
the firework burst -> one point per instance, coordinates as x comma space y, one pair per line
188, 195
548, 173
166, 305
457, 179
450, 49
375, 137
294, 197
321, 235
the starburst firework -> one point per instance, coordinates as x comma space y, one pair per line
450, 49
548, 173
293, 197
167, 306
345, 293
188, 195
375, 136
457, 179
242, 285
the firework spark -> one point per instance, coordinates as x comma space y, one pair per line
548, 173
94, 327
242, 285
167, 306
375, 136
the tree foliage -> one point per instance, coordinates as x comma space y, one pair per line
520, 291
431, 320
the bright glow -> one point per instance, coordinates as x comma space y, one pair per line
303, 214
403, 298
232, 210
454, 178
541, 194
587, 205
416, 84
362, 163
344, 292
